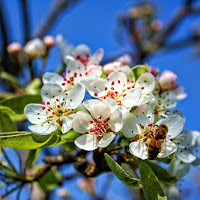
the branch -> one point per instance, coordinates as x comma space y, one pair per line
58, 8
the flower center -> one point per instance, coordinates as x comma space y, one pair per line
83, 59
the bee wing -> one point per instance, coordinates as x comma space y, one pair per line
163, 147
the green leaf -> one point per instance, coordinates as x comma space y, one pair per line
34, 87
17, 104
27, 140
138, 70
50, 180
162, 174
71, 135
6, 124
121, 173
32, 157
151, 187
168, 159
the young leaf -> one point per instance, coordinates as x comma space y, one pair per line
162, 174
71, 135
6, 124
168, 159
27, 140
121, 173
138, 70
151, 187
32, 157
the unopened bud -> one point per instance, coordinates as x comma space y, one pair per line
156, 25
14, 48
153, 70
125, 59
168, 80
49, 41
116, 67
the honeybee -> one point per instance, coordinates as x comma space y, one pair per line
156, 141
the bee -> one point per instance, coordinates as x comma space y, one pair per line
156, 141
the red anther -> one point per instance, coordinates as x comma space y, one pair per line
75, 74
133, 86
99, 116
43, 102
132, 81
108, 118
57, 99
63, 83
58, 106
78, 57
106, 88
68, 81
63, 74
128, 88
118, 81
116, 92
65, 79
92, 130
124, 95
43, 107
80, 74
86, 73
48, 103
112, 88
95, 86
106, 124
104, 97
96, 132
113, 83
147, 133
72, 79
102, 126
49, 109
142, 88
91, 121
68, 71
87, 55
150, 124
53, 113
95, 94
128, 79
149, 116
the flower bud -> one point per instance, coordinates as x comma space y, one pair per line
168, 80
156, 25
108, 68
34, 48
14, 48
49, 41
125, 59
116, 67
153, 70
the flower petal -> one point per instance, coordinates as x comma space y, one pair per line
52, 78
35, 113
144, 98
117, 80
50, 92
168, 100
96, 57
75, 96
131, 98
116, 121
97, 108
45, 128
138, 149
145, 114
81, 122
67, 123
82, 50
88, 142
106, 139
112, 104
185, 155
130, 128
167, 149
146, 81
174, 123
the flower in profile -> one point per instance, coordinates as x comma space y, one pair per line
57, 108
141, 128
187, 143
98, 127
121, 89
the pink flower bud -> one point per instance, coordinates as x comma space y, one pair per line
125, 59
14, 48
168, 80
108, 68
153, 70
156, 25
49, 41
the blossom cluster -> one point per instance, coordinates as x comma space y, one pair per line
137, 103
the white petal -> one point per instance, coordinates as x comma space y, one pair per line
112, 104
168, 100
138, 149
87, 142
50, 92
185, 155
32, 110
179, 92
131, 98
96, 85
116, 121
97, 108
82, 50
97, 57
130, 128
106, 139
75, 96
45, 128
52, 78
81, 122
147, 81
168, 148
93, 71
145, 114
67, 123
174, 123
144, 98
119, 79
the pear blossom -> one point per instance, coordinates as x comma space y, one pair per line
187, 143
57, 108
119, 88
98, 127
141, 127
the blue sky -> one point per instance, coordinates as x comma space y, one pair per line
93, 22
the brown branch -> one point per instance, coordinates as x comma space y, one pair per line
58, 8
